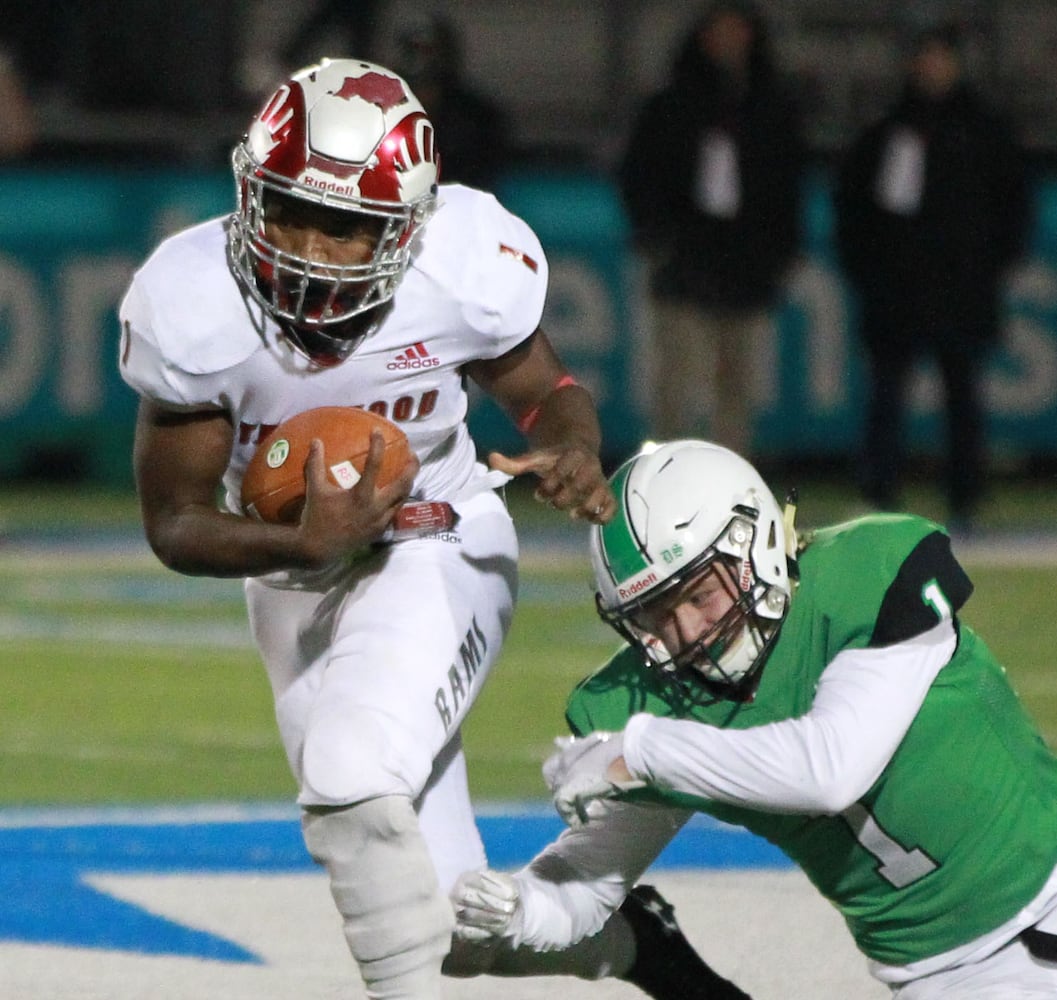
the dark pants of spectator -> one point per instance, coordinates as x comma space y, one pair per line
960, 362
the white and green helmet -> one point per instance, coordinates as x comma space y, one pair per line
680, 507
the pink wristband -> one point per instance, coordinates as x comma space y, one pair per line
528, 420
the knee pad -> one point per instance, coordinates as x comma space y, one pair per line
397, 923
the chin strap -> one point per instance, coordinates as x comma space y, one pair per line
792, 543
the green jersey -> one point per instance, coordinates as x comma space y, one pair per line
959, 832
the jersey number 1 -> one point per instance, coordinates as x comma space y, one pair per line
900, 866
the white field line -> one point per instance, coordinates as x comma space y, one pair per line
1028, 548
290, 922
65, 563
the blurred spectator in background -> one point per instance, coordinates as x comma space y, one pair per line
932, 208
335, 28
18, 127
711, 180
427, 52
429, 56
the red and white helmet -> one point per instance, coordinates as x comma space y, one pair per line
349, 136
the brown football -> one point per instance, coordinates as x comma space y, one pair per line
273, 488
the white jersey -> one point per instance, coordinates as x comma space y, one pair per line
475, 289
368, 703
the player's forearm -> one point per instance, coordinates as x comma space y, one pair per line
566, 416
570, 889
204, 541
557, 914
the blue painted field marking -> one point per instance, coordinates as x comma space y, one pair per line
45, 857
42, 873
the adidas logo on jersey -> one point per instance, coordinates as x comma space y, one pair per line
416, 356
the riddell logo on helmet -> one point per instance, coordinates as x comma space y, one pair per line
324, 185
637, 586
416, 356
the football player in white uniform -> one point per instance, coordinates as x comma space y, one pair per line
347, 277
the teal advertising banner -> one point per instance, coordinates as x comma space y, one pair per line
69, 240
808, 385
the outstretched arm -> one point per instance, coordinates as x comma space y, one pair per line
821, 762
558, 417
573, 886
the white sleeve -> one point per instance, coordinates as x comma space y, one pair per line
184, 324
573, 885
819, 763
491, 262
142, 364
509, 278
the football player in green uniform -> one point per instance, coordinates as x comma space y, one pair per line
821, 692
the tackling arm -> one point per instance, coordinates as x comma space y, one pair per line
822, 761
573, 886
818, 763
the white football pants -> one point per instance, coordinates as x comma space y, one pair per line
373, 677
1012, 973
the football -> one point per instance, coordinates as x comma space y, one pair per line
273, 487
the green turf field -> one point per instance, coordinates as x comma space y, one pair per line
123, 682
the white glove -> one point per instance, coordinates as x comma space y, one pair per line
576, 774
486, 904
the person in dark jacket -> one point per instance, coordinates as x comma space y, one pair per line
711, 182
932, 209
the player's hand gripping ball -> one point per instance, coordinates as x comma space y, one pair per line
273, 488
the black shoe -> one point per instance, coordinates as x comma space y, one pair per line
666, 965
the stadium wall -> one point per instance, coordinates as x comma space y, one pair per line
69, 240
